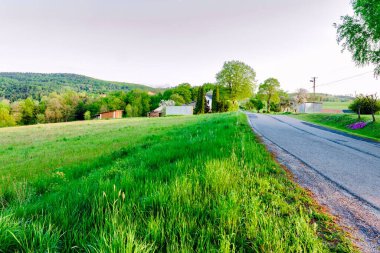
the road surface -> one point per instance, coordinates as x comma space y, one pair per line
342, 171
351, 163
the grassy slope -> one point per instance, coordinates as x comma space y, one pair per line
174, 184
340, 122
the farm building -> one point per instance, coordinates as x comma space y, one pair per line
179, 110
309, 107
116, 114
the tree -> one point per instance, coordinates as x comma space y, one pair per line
285, 102
178, 99
373, 105
301, 96
54, 108
365, 105
139, 101
128, 110
215, 99
269, 91
6, 119
87, 115
360, 33
201, 101
257, 103
238, 78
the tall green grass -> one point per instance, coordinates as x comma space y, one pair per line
204, 184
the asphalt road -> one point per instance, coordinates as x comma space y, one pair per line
353, 164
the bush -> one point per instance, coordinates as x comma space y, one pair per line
40, 118
87, 115
364, 104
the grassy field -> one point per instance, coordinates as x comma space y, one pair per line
336, 105
166, 184
340, 122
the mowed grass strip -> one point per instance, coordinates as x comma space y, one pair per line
341, 121
204, 184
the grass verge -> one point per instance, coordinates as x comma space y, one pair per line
192, 184
341, 121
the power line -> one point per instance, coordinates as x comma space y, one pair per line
344, 79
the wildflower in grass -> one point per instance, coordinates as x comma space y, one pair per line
357, 125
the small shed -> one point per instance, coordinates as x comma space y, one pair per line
310, 107
116, 114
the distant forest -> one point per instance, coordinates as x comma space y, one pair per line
15, 86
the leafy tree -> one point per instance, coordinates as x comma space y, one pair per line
128, 110
178, 99
184, 90
360, 33
87, 115
301, 96
209, 86
155, 100
6, 119
365, 105
285, 101
69, 102
238, 78
215, 99
269, 91
201, 101
257, 103
54, 108
139, 101
40, 118
29, 109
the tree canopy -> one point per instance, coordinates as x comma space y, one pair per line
238, 78
269, 91
360, 33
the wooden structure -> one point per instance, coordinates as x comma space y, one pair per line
116, 114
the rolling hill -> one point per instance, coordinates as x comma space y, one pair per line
14, 85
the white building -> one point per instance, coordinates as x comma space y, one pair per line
310, 107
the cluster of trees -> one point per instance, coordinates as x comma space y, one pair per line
368, 104
271, 97
236, 81
15, 86
71, 105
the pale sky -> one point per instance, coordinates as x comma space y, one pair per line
167, 42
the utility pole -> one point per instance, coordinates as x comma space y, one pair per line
313, 80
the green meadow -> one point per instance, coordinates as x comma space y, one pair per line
178, 184
337, 105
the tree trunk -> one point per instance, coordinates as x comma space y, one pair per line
373, 116
359, 112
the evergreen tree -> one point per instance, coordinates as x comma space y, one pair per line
201, 101
215, 100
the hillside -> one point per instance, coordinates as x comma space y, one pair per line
15, 86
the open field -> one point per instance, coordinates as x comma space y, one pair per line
336, 105
198, 183
340, 122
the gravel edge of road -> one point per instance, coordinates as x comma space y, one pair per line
352, 215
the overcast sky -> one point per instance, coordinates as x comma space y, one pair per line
167, 42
